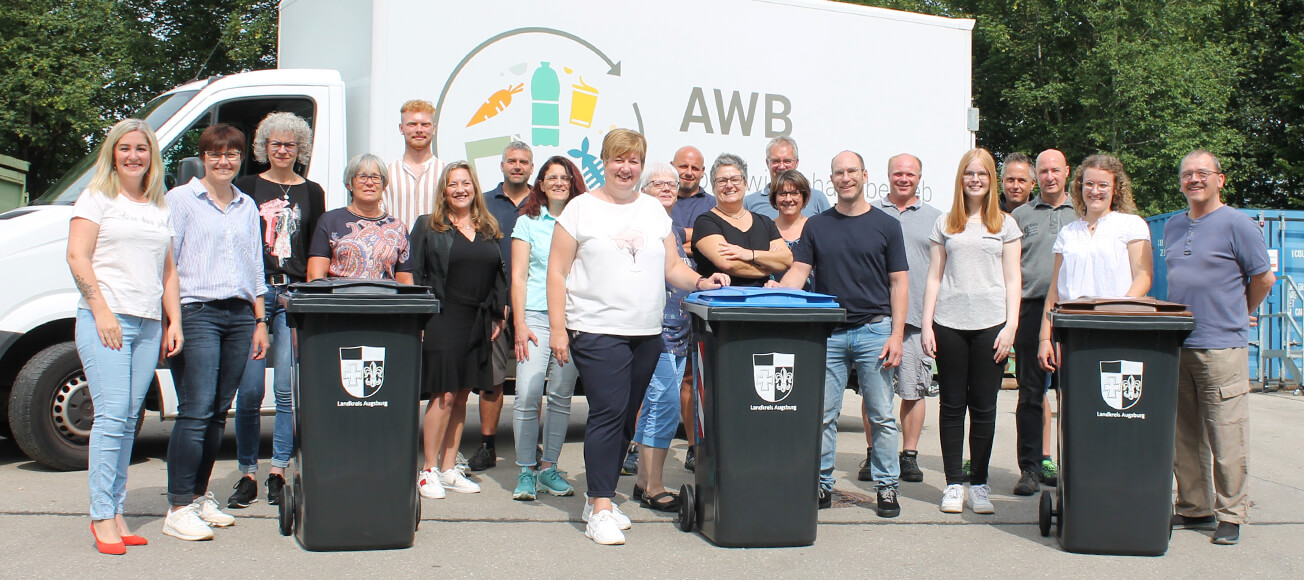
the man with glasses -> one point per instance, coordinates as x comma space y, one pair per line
1217, 265
781, 154
1040, 220
858, 255
414, 176
505, 202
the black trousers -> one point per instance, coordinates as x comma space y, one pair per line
1028, 416
968, 379
616, 371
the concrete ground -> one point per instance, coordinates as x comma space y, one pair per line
43, 523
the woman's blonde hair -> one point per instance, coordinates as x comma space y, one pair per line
485, 223
991, 210
1120, 201
106, 180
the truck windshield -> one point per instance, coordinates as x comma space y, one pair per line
155, 112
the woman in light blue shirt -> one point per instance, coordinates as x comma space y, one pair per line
556, 185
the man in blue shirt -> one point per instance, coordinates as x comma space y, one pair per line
780, 155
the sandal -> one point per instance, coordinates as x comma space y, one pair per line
662, 502
637, 495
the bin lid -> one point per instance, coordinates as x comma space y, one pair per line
740, 303
360, 296
1143, 313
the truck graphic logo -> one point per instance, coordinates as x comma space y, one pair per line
362, 370
1120, 383
772, 375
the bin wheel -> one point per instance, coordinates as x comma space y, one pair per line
1059, 511
1045, 513
687, 508
286, 511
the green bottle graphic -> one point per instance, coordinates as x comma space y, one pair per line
545, 89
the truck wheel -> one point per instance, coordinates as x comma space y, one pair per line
50, 410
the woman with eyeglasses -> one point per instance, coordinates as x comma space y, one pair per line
556, 185
971, 314
730, 239
789, 194
361, 240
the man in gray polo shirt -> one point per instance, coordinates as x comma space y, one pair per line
781, 155
1040, 220
916, 371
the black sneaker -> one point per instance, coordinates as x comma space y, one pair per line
690, 460
1180, 522
1227, 534
910, 467
866, 473
888, 507
826, 499
246, 492
275, 488
483, 459
1028, 482
630, 465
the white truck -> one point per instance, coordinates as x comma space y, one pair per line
555, 74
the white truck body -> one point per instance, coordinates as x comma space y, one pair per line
875, 81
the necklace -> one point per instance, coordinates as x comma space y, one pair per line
738, 216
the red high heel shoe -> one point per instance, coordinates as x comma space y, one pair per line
117, 548
134, 540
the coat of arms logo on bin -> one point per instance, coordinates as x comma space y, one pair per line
362, 370
1120, 383
772, 375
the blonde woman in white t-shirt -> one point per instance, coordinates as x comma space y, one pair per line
612, 254
119, 252
1105, 253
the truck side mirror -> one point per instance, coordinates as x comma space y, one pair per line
188, 168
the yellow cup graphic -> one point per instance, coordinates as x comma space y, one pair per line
584, 99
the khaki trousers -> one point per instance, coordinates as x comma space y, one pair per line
1213, 427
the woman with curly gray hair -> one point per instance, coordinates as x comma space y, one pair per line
288, 208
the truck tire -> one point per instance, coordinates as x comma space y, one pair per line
50, 410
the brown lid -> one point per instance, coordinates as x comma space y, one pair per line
1125, 306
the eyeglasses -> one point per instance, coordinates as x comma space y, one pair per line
787, 194
1097, 186
978, 174
1201, 174
367, 177
736, 180
557, 179
286, 145
227, 155
660, 184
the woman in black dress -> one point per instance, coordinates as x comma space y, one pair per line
729, 239
455, 252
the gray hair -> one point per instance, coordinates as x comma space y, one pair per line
1217, 164
1016, 158
518, 146
659, 169
784, 140
728, 160
283, 122
358, 162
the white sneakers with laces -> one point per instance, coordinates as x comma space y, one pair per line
185, 524
428, 484
207, 508
604, 529
621, 519
953, 499
980, 499
455, 480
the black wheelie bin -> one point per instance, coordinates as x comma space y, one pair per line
759, 397
1117, 417
357, 390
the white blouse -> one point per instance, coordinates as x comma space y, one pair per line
1097, 265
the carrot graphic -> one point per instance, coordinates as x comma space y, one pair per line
496, 103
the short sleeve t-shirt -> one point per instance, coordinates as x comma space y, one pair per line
758, 237
617, 282
972, 294
537, 232
1097, 265
916, 226
852, 257
1210, 261
130, 250
287, 215
360, 247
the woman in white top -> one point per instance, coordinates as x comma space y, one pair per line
971, 314
1106, 252
612, 254
120, 254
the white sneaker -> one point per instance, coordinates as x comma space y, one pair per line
454, 480
461, 464
953, 499
980, 500
428, 483
621, 519
210, 512
184, 524
604, 529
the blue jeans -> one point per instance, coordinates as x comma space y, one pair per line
207, 373
660, 416
529, 395
249, 396
118, 381
861, 346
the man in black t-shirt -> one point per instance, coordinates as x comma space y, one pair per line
858, 255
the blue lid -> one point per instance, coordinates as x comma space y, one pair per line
737, 296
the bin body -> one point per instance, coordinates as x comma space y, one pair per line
759, 396
357, 390
1117, 416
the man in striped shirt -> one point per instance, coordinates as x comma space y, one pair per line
414, 177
